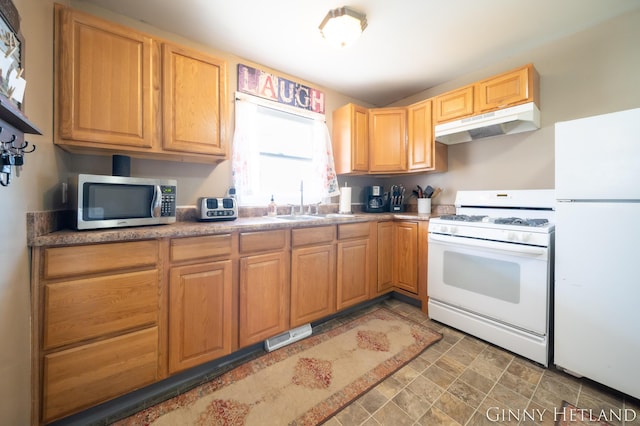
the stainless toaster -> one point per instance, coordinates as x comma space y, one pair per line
217, 208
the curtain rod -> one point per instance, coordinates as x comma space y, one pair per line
280, 107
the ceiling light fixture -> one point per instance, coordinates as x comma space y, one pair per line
343, 26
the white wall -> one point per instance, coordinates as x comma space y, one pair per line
594, 72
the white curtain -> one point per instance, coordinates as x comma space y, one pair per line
246, 153
246, 156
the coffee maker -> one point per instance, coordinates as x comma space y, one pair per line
374, 199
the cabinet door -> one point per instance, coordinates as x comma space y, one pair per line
405, 265
104, 79
511, 88
385, 257
456, 104
313, 283
264, 297
353, 273
351, 139
387, 140
194, 101
421, 143
200, 314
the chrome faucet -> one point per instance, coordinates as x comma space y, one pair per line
301, 197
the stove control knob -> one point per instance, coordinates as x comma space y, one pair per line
512, 236
525, 237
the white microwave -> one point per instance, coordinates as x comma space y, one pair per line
99, 201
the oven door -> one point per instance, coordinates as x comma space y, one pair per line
506, 282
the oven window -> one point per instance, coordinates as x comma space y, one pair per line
498, 279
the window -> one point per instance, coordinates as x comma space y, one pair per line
274, 150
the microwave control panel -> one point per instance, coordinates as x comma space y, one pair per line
168, 206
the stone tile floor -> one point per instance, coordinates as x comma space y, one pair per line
462, 380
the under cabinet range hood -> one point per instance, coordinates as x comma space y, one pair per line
516, 119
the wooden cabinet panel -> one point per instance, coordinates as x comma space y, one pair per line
385, 257
511, 88
421, 144
387, 140
353, 230
194, 101
315, 235
456, 104
264, 296
353, 273
85, 309
313, 283
192, 248
350, 139
405, 265
252, 242
200, 314
80, 377
78, 260
104, 82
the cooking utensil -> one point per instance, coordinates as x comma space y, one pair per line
436, 192
428, 191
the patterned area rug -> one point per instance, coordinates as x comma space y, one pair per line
301, 384
570, 415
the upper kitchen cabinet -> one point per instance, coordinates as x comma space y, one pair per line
387, 140
514, 87
456, 104
424, 154
351, 139
118, 91
194, 101
104, 79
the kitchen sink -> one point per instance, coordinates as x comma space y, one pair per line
314, 216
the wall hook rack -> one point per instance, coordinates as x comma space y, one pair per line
12, 156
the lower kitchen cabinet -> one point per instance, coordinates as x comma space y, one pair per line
405, 252
354, 264
313, 274
95, 311
202, 306
264, 285
385, 257
200, 314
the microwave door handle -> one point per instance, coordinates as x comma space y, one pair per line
492, 245
156, 203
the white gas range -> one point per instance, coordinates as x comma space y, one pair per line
490, 268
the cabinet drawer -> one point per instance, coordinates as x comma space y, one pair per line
87, 375
88, 308
353, 230
318, 235
263, 240
78, 260
200, 247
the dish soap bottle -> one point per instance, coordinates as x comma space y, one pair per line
272, 209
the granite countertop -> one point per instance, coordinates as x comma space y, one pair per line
42, 232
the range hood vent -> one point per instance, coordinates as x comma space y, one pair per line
516, 119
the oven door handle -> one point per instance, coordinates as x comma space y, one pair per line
510, 248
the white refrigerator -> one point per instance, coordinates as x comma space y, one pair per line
597, 249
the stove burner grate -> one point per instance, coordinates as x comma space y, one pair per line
463, 217
519, 221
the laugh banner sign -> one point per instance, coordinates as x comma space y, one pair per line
265, 85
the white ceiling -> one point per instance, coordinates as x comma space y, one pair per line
409, 45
